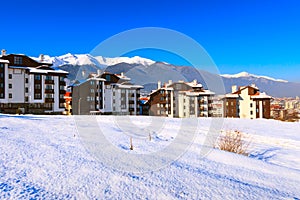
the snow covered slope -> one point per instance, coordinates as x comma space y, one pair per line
42, 157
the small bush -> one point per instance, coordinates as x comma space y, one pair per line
233, 141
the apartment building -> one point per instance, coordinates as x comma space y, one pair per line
106, 94
88, 96
247, 102
30, 86
181, 99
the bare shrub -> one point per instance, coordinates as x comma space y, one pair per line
233, 141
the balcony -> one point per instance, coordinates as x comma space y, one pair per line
131, 101
49, 82
49, 100
62, 91
62, 83
49, 91
61, 100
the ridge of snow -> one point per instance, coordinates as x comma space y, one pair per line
246, 74
133, 60
87, 59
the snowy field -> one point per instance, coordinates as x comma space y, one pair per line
51, 157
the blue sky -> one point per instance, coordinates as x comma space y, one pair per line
261, 37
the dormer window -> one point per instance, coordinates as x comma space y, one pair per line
18, 60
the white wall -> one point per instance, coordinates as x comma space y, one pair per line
17, 89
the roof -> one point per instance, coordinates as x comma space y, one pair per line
259, 95
41, 71
205, 92
4, 61
231, 96
125, 86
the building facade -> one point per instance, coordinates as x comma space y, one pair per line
247, 102
88, 96
106, 94
30, 86
181, 99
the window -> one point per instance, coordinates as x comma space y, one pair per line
61, 78
61, 96
10, 95
92, 83
1, 65
92, 91
61, 105
1, 75
37, 96
37, 86
49, 78
1, 95
1, 85
231, 103
37, 77
107, 77
26, 99
61, 87
18, 60
251, 112
26, 80
10, 86
251, 105
10, 76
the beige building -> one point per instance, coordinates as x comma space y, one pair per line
181, 99
247, 102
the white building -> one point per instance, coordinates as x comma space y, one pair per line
106, 94
29, 86
181, 99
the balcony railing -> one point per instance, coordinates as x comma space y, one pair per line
49, 91
49, 100
50, 82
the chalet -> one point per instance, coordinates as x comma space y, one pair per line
247, 102
30, 85
181, 99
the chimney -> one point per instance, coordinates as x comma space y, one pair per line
170, 82
122, 74
195, 82
42, 57
233, 88
158, 84
3, 52
98, 72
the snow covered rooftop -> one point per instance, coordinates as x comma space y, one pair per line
42, 71
231, 95
262, 95
4, 61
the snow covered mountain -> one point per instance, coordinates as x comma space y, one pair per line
87, 59
247, 75
147, 72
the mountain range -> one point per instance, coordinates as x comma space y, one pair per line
147, 72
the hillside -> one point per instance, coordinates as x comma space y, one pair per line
44, 157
